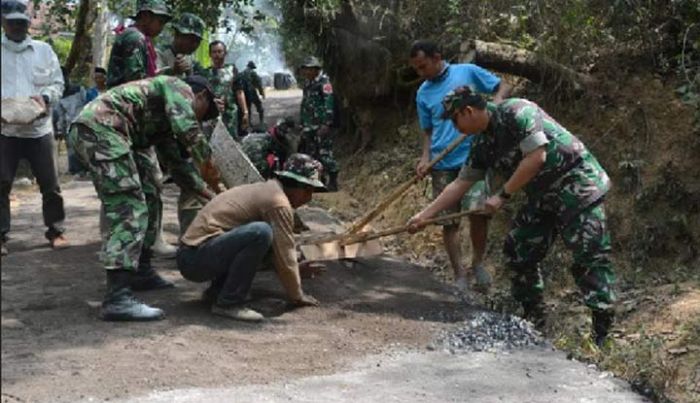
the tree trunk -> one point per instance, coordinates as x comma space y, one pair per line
80, 57
100, 34
523, 63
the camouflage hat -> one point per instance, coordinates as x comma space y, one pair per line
198, 84
251, 65
458, 99
311, 61
303, 169
189, 23
14, 10
287, 122
157, 7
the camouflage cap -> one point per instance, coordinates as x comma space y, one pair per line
458, 98
311, 61
303, 169
14, 10
157, 7
189, 23
198, 84
251, 65
287, 122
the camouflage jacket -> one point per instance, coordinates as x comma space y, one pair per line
571, 178
129, 58
265, 152
251, 82
166, 62
317, 103
155, 111
225, 82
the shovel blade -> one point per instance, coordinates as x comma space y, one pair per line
334, 250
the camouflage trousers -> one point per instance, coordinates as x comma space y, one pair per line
129, 188
320, 148
586, 235
230, 118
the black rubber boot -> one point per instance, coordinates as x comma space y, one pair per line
602, 321
119, 303
534, 312
146, 278
333, 182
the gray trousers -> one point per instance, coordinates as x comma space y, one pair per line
39, 152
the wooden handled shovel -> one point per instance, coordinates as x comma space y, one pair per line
398, 192
360, 245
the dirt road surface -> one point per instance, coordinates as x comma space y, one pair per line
367, 342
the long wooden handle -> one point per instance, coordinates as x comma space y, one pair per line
368, 236
399, 191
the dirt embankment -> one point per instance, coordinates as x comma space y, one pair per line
648, 141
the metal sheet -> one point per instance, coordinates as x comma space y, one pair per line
233, 164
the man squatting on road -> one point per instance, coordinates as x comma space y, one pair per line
229, 238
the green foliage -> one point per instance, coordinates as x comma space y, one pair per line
61, 46
62, 12
202, 53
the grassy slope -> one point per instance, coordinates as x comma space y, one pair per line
647, 140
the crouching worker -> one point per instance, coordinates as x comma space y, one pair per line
109, 137
231, 235
565, 188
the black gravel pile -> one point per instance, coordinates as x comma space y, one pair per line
489, 331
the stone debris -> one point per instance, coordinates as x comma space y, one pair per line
489, 331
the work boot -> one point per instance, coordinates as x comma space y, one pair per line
332, 182
534, 312
119, 303
602, 321
163, 249
237, 313
146, 277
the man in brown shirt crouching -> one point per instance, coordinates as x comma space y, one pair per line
230, 236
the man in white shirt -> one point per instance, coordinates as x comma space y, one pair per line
30, 70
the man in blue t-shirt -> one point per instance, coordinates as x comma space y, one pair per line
441, 78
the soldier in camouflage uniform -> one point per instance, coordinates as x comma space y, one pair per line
107, 136
177, 58
565, 188
317, 119
133, 56
268, 151
252, 85
227, 87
